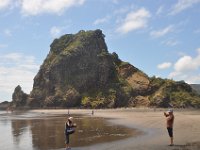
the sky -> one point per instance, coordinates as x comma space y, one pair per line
160, 37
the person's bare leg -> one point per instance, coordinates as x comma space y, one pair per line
67, 146
171, 141
67, 141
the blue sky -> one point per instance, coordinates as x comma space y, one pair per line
161, 38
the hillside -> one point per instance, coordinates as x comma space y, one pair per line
196, 87
79, 71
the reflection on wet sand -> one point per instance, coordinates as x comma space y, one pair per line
48, 132
19, 128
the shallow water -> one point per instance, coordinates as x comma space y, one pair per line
25, 130
1, 112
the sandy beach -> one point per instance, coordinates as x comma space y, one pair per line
150, 124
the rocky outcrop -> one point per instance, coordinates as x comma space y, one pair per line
19, 98
4, 105
79, 71
77, 66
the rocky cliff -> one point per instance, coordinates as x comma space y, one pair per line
79, 71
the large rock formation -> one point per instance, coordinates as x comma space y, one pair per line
80, 72
19, 98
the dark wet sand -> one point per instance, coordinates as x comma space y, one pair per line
44, 130
152, 124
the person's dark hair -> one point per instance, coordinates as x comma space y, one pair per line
69, 121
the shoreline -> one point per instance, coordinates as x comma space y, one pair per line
151, 125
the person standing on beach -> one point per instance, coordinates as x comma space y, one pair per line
170, 122
69, 129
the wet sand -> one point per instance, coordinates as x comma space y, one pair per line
151, 125
34, 131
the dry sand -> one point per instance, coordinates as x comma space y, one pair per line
152, 126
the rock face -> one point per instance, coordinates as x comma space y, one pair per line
77, 65
80, 72
19, 98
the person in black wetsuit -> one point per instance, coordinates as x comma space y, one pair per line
69, 129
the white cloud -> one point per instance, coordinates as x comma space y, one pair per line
15, 57
35, 7
164, 65
123, 10
182, 5
101, 20
198, 51
162, 32
3, 46
187, 68
160, 10
171, 42
194, 79
8, 32
184, 64
115, 1
55, 31
16, 69
134, 20
4, 4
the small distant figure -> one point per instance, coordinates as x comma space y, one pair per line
154, 108
9, 109
170, 122
92, 112
68, 112
69, 129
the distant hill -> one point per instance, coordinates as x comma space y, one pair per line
196, 87
79, 72
4, 105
